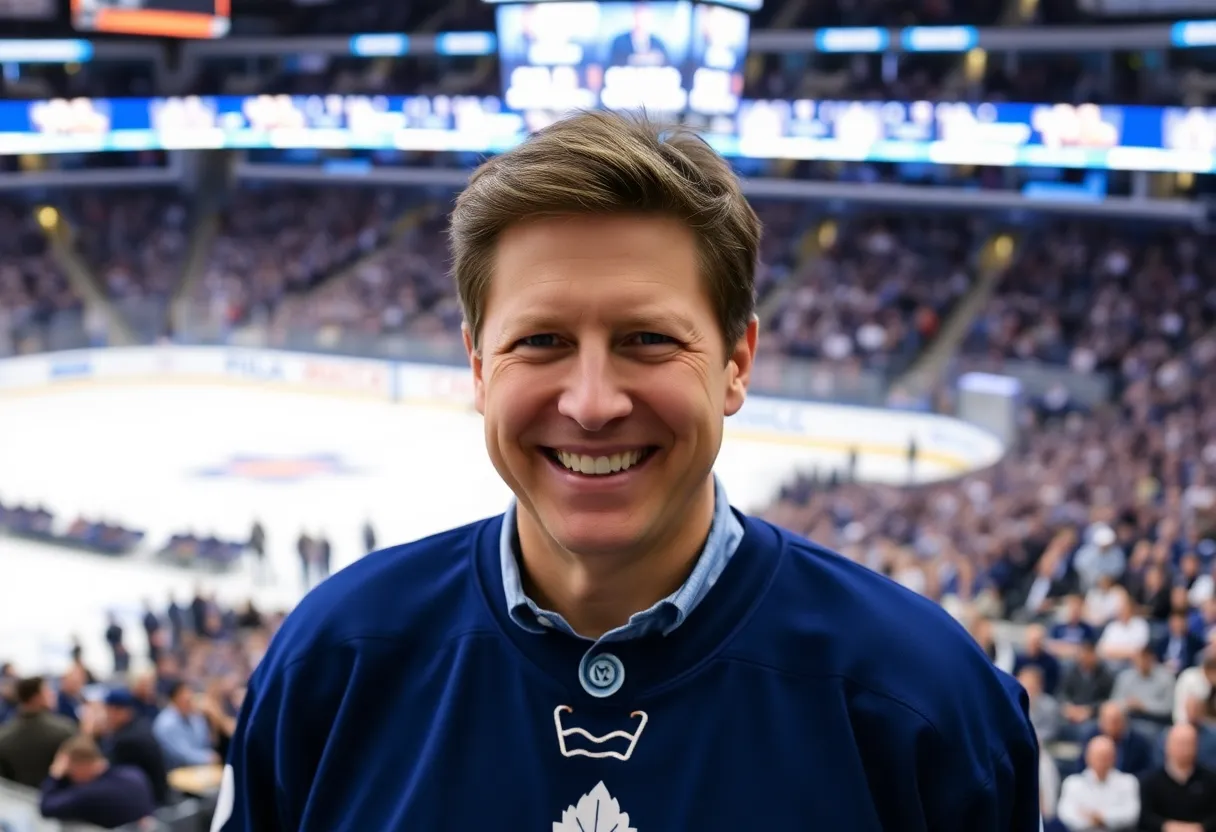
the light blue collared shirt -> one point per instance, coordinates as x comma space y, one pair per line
725, 534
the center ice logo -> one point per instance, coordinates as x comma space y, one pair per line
279, 469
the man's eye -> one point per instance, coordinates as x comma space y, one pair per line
651, 339
543, 340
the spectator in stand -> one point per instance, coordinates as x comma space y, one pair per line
1133, 753
128, 741
1101, 556
1146, 692
83, 787
182, 731
1179, 648
1205, 738
1126, 636
8, 692
1102, 601
1101, 798
1072, 631
143, 693
70, 696
1035, 655
1049, 789
1087, 683
1044, 710
1195, 685
1181, 795
29, 742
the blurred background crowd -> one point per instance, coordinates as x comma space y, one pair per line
1083, 561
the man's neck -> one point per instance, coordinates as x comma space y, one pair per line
595, 595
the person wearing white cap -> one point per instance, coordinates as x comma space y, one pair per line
1102, 555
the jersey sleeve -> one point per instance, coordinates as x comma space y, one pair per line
249, 797
1007, 800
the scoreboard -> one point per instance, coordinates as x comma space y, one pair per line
668, 56
198, 19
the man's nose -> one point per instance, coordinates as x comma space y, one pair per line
594, 396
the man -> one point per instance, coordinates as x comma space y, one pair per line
182, 731
129, 741
1087, 683
70, 695
621, 649
1101, 798
28, 742
83, 787
1069, 634
1179, 648
1044, 710
1195, 683
1180, 796
1146, 691
1133, 752
1034, 654
1126, 635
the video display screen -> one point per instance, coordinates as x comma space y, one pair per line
196, 19
618, 55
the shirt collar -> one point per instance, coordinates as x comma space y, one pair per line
725, 534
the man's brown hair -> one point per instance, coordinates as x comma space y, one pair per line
604, 163
29, 688
81, 749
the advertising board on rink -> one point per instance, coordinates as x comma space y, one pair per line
959, 445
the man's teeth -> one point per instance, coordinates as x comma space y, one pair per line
599, 465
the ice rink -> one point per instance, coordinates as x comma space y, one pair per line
212, 459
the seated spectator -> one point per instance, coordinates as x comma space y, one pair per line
8, 692
143, 691
1102, 601
1195, 683
1126, 635
1072, 631
1085, 685
1035, 655
1152, 591
128, 741
1101, 556
1133, 753
1044, 710
1179, 648
29, 742
1101, 798
1206, 756
1145, 690
83, 787
70, 694
182, 731
1181, 795
1049, 785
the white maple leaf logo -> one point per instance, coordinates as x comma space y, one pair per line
597, 811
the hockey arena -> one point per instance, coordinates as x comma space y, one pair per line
210, 457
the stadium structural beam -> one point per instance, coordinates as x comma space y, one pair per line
879, 195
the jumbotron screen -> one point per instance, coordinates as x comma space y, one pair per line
196, 19
668, 56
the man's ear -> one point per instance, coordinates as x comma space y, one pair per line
479, 385
739, 365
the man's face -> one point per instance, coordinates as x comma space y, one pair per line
601, 352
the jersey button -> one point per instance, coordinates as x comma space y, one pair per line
601, 675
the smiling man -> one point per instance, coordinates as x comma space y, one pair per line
621, 649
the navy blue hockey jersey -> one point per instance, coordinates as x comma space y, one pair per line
805, 692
